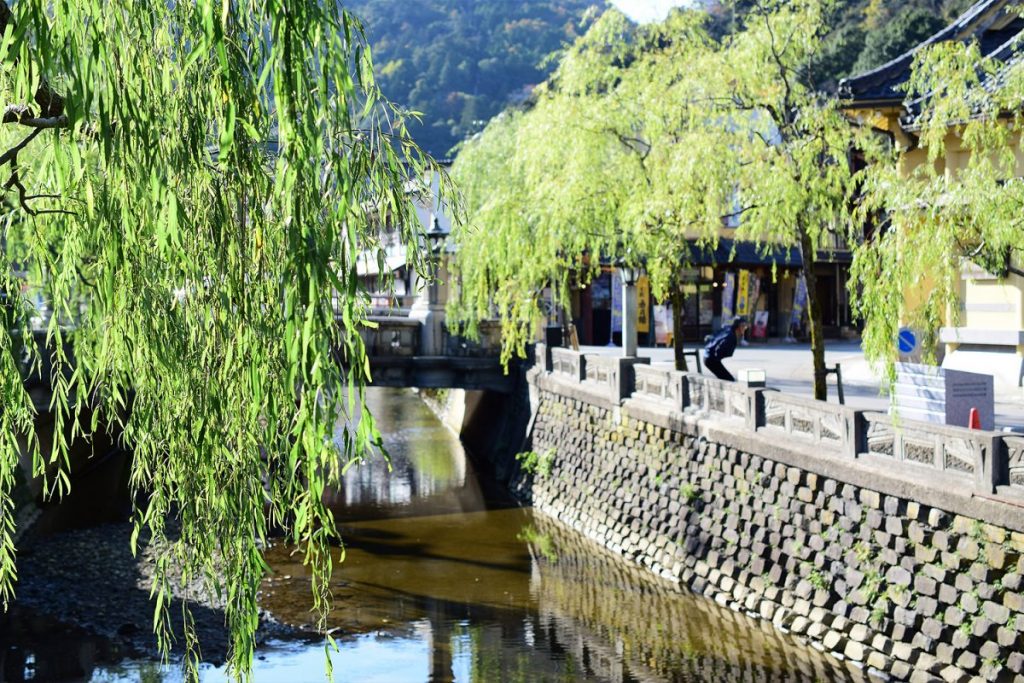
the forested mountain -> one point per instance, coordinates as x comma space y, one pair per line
460, 62
867, 33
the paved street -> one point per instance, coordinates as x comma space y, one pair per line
788, 367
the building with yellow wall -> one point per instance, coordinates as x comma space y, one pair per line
988, 335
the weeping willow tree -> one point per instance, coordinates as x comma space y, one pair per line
658, 138
789, 144
605, 162
953, 201
188, 185
543, 187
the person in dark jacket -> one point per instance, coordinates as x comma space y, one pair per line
722, 345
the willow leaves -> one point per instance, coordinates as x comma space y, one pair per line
192, 213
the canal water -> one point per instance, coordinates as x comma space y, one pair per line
445, 579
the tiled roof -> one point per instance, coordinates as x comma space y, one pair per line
995, 24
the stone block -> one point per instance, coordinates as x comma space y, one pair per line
1006, 637
904, 651
954, 616
996, 557
938, 519
926, 606
968, 548
952, 674
925, 585
871, 499
879, 661
904, 616
854, 651
980, 572
964, 583
993, 534
1013, 600
967, 660
933, 629
881, 644
894, 526
860, 615
945, 653
900, 671
925, 553
961, 639
874, 519
999, 614
983, 627
898, 576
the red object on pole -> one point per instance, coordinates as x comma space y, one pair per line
974, 422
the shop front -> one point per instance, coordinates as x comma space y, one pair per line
736, 278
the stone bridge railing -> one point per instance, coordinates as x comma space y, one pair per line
391, 336
395, 336
985, 462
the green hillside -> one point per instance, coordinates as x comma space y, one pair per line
460, 62
868, 33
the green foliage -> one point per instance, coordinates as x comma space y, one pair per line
644, 138
460, 62
817, 579
541, 464
689, 492
195, 195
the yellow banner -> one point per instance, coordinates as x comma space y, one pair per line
643, 304
743, 294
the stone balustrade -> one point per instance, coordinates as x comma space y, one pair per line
968, 454
723, 400
613, 375
569, 364
660, 385
802, 418
392, 336
987, 462
1015, 462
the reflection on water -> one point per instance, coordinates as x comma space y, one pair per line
426, 469
493, 593
443, 580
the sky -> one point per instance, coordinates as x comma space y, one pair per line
648, 10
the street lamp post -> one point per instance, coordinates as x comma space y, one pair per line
629, 275
429, 305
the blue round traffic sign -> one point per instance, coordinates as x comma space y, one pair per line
907, 340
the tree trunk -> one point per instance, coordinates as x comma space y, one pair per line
676, 298
807, 254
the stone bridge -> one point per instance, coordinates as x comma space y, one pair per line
403, 352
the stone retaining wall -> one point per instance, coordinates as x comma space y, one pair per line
910, 572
